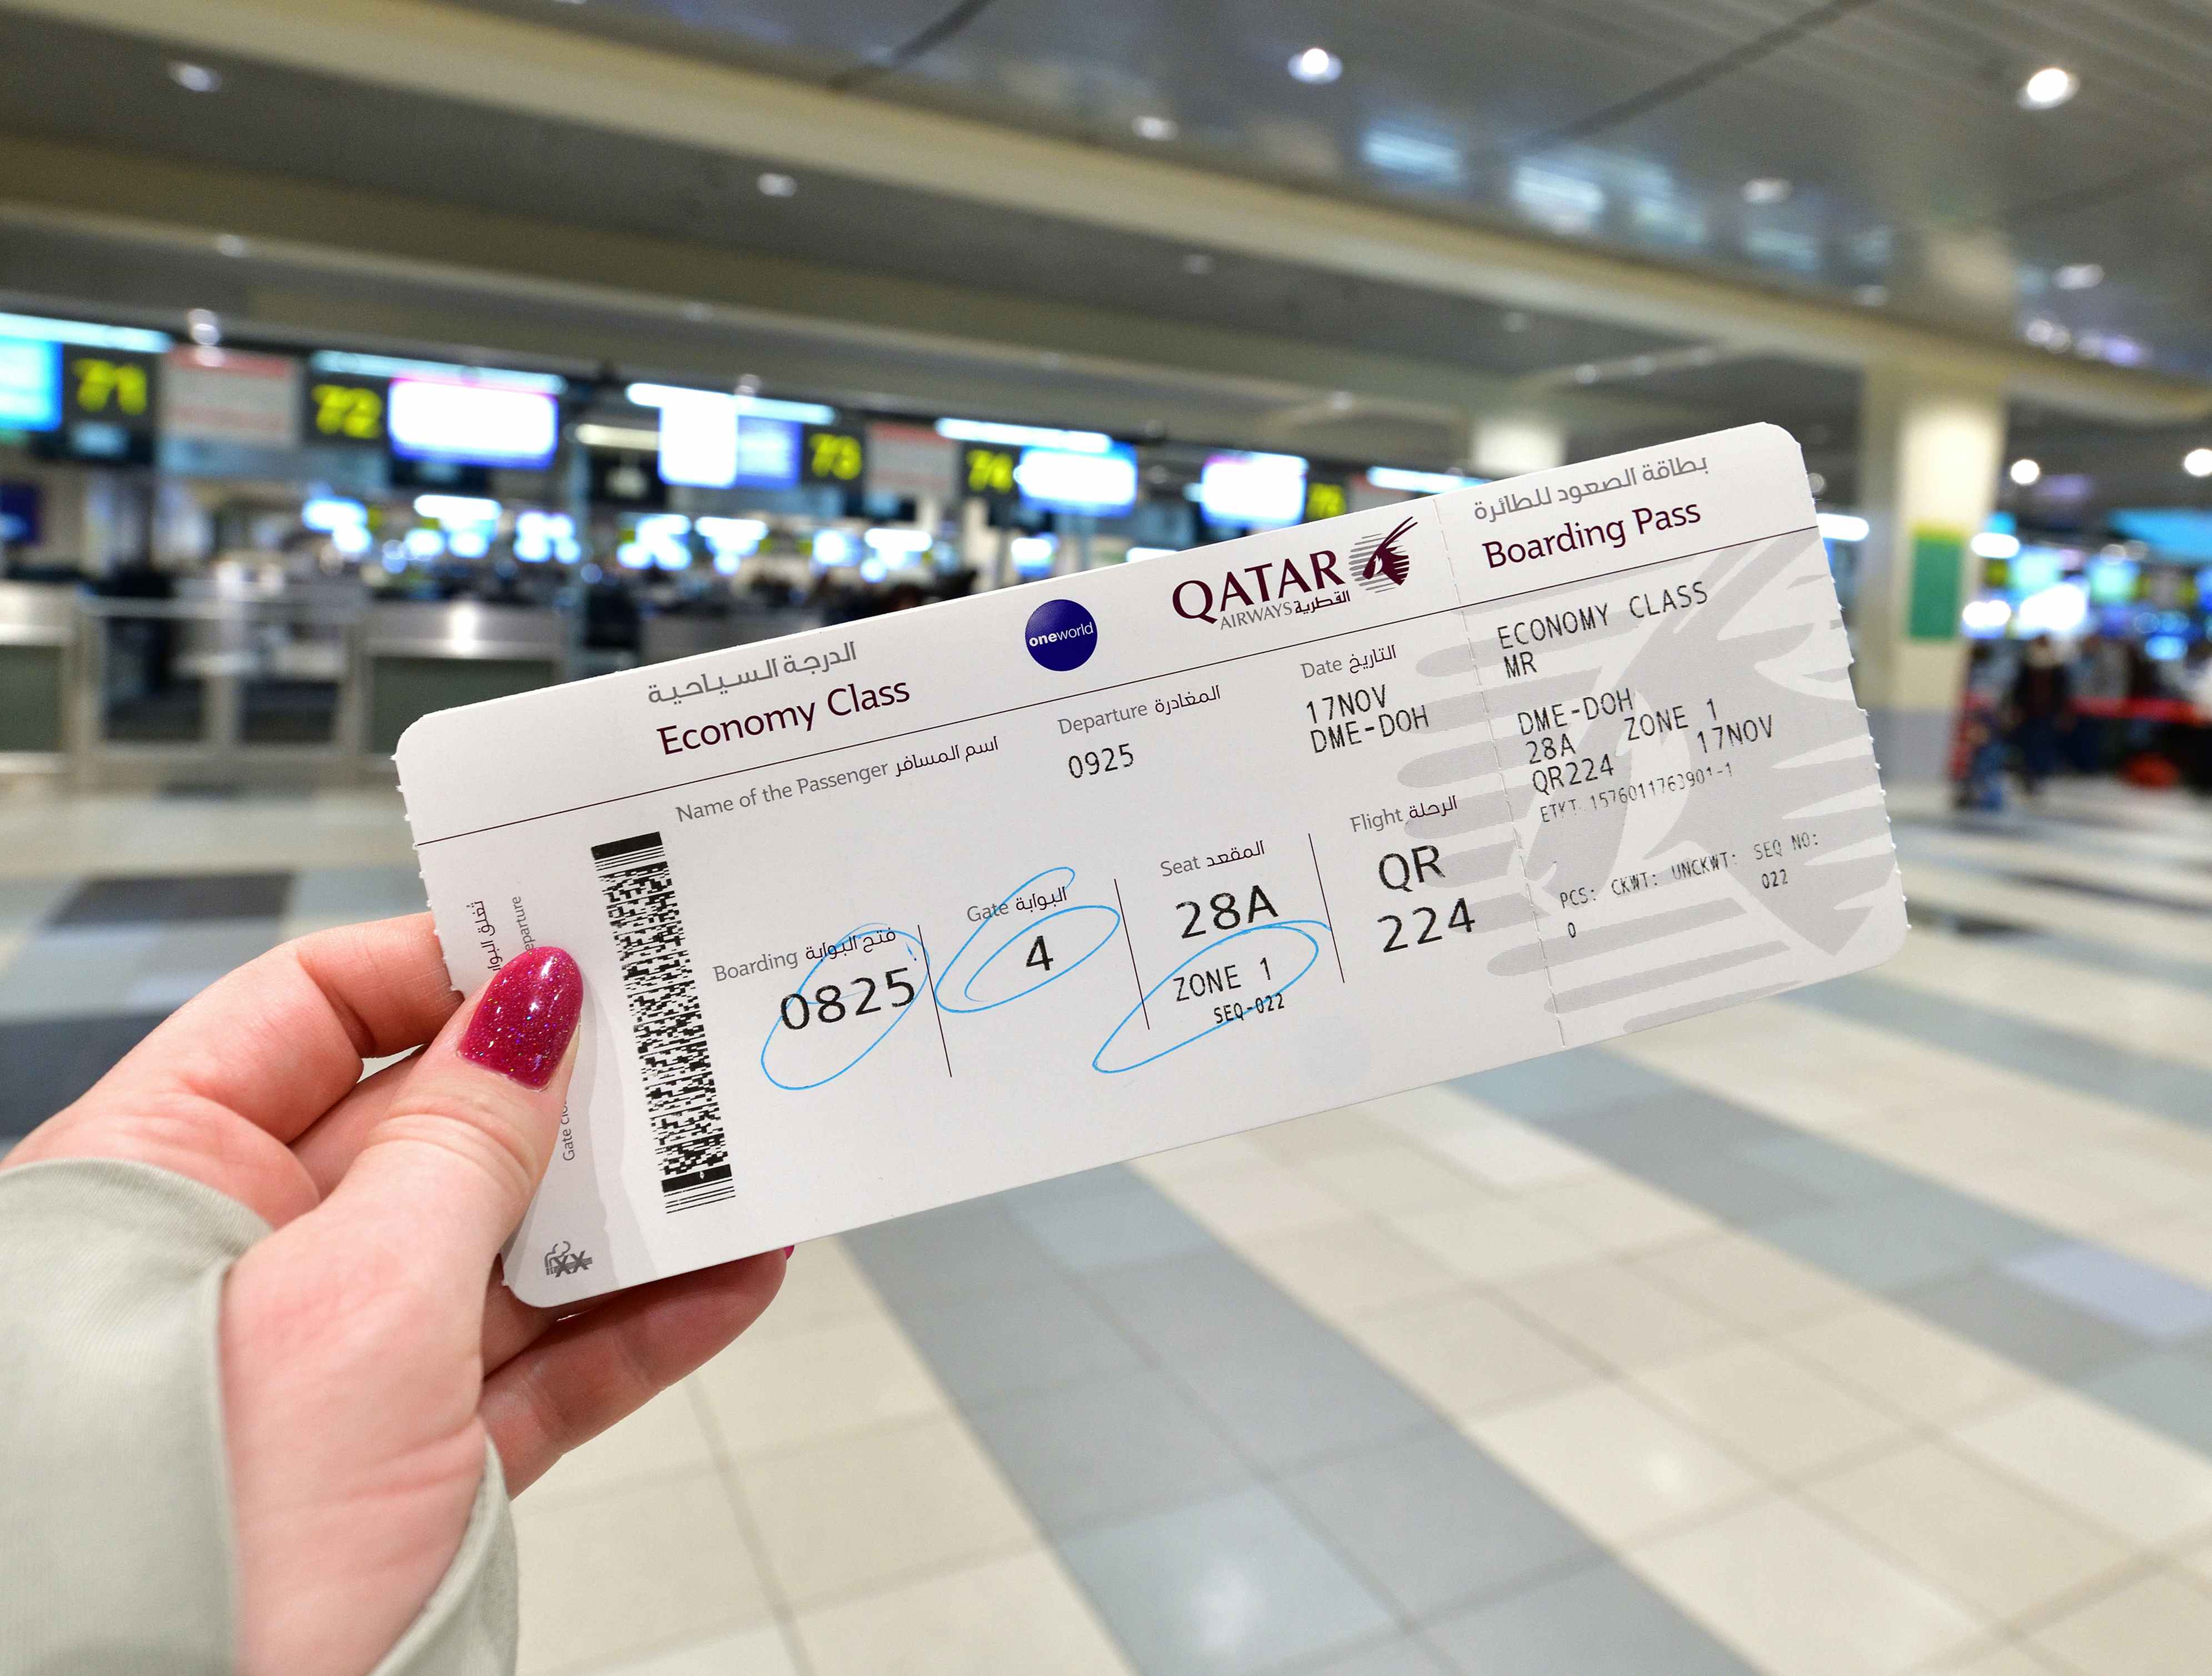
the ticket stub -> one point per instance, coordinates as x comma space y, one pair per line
880, 916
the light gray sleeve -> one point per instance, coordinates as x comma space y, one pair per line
116, 1551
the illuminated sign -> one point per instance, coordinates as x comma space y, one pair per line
216, 395
835, 457
698, 444
2112, 581
1259, 489
347, 409
988, 470
30, 384
472, 425
1327, 497
768, 453
110, 386
1059, 480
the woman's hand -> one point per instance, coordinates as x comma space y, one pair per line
368, 1347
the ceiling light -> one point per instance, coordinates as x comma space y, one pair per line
1587, 373
201, 326
1514, 320
1767, 189
2024, 472
194, 79
772, 185
1870, 296
1316, 66
2198, 462
1342, 401
229, 244
1198, 262
1995, 544
2078, 277
1157, 127
1643, 365
2048, 89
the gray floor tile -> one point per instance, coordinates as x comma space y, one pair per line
1202, 1302
1400, 1655
1836, 1173
26, 903
49, 1062
356, 892
2151, 1302
1602, 1621
1584, 1080
186, 959
1868, 1247
2016, 1321
1986, 1230
1734, 1188
1671, 1127
166, 897
75, 973
1301, 1397
961, 1251
1115, 1223
1436, 1523
2166, 1391
1226, 1587
995, 1345
1105, 1450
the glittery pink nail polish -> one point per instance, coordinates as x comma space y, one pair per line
526, 1015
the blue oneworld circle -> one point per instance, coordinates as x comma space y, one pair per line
1061, 634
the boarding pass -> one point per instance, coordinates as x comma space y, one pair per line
932, 905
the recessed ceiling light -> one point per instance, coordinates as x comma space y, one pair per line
1198, 262
1587, 373
1766, 189
749, 384
2078, 277
1870, 296
697, 311
2024, 472
194, 79
772, 185
2048, 89
1643, 365
1316, 66
229, 244
203, 327
2198, 462
1514, 320
1157, 127
1342, 401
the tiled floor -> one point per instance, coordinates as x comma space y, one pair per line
1863, 1331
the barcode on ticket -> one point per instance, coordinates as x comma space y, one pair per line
689, 1142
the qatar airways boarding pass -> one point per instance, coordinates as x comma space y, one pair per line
883, 916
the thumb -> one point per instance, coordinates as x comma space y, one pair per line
454, 1162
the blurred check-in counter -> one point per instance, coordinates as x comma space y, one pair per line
38, 662
666, 636
420, 656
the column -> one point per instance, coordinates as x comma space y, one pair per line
1929, 452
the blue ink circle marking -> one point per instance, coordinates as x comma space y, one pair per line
1301, 927
1060, 967
898, 1014
1061, 634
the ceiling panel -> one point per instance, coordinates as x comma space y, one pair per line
1634, 122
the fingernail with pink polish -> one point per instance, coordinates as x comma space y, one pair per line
524, 1017
787, 1251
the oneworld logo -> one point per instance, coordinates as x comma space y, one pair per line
1061, 634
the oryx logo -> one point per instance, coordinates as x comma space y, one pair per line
1378, 562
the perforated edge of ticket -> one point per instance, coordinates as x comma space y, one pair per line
878, 917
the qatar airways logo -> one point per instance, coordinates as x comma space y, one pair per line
1296, 586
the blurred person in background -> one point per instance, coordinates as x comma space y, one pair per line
2039, 710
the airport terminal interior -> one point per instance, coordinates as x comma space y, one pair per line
366, 358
